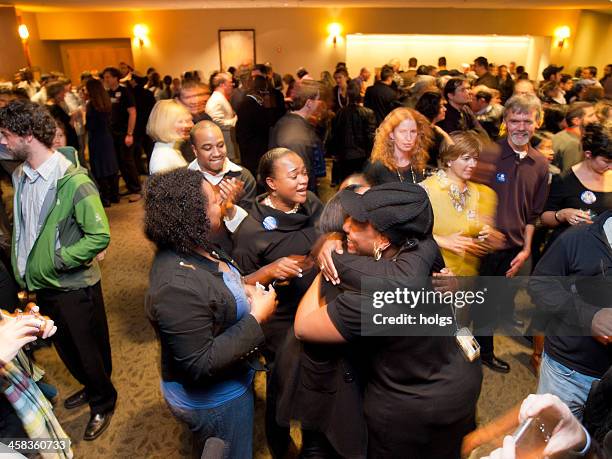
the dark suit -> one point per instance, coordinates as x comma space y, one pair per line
488, 80
381, 99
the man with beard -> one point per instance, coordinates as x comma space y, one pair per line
60, 228
521, 183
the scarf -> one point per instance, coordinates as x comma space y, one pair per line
32, 407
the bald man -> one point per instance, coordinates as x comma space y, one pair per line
209, 147
220, 110
234, 183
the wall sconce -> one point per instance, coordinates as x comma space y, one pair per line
561, 35
334, 30
24, 34
141, 35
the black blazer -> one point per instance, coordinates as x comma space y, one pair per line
352, 133
194, 316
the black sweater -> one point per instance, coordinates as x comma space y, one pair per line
255, 247
581, 262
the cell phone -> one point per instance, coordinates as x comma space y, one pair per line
531, 438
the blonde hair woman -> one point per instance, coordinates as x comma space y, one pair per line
169, 124
400, 148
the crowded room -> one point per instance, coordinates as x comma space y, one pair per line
235, 229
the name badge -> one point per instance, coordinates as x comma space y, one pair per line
118, 94
500, 177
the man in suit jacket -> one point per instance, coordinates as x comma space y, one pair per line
222, 113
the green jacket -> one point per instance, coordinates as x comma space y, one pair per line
74, 231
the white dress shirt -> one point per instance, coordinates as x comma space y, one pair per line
220, 110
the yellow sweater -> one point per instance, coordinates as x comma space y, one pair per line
479, 209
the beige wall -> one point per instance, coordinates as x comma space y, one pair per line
593, 43
290, 37
12, 57
93, 55
45, 54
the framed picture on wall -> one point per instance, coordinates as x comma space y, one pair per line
236, 47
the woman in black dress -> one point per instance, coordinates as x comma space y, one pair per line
400, 148
421, 393
279, 234
585, 190
275, 241
102, 157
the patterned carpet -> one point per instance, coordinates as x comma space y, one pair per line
142, 426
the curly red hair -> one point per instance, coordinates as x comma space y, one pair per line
383, 145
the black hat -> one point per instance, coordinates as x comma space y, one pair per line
551, 70
399, 210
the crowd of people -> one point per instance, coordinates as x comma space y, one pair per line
476, 172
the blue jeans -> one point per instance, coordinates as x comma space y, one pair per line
569, 385
232, 422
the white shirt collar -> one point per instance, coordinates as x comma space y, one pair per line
521, 154
228, 166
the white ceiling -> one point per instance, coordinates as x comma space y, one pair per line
118, 5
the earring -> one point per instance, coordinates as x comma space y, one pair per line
377, 253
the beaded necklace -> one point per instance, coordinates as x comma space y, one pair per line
268, 202
401, 177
